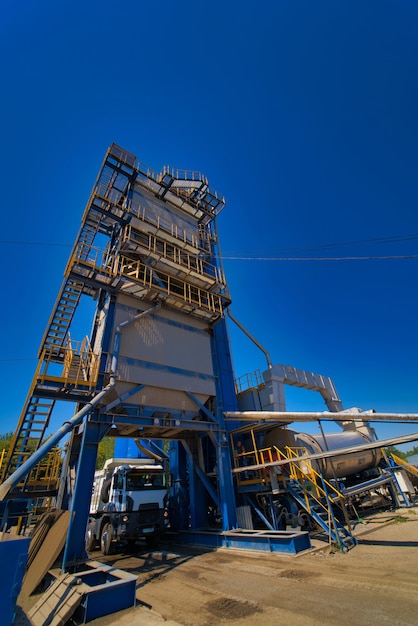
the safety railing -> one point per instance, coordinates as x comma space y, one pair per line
167, 250
245, 459
251, 380
80, 366
115, 203
3, 454
317, 491
184, 174
45, 476
201, 196
136, 270
122, 155
312, 482
95, 259
318, 495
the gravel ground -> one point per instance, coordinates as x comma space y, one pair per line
374, 583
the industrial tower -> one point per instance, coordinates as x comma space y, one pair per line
157, 365
157, 368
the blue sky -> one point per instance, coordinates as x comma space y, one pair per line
303, 114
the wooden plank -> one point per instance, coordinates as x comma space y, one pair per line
58, 603
47, 554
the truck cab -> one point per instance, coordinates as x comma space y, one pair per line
128, 503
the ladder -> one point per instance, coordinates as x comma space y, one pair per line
61, 318
30, 430
40, 401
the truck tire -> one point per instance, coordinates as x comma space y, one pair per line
91, 541
106, 544
104, 493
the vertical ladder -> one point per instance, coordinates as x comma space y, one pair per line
61, 318
67, 301
38, 408
30, 431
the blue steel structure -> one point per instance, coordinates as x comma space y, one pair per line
157, 365
157, 368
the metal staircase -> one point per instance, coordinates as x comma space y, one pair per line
318, 497
310, 490
79, 370
322, 508
30, 431
61, 318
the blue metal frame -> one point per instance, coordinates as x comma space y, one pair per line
74, 550
225, 398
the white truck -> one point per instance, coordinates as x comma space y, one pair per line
128, 503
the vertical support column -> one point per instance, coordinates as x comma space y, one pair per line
198, 494
178, 501
226, 400
74, 550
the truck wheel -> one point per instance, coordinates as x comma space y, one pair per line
105, 490
106, 544
90, 543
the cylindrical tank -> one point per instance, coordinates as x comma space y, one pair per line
338, 466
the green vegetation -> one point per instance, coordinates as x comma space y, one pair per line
105, 451
5, 441
399, 453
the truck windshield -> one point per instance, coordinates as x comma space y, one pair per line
136, 480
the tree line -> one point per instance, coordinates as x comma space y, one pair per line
105, 451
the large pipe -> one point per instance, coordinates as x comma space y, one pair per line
381, 443
250, 336
287, 417
338, 466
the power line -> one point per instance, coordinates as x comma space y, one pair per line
34, 243
342, 258
29, 358
261, 255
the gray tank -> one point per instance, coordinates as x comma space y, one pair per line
338, 466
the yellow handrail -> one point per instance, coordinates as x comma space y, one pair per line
315, 486
2, 456
80, 367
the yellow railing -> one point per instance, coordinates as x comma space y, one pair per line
81, 365
46, 474
2, 459
314, 486
184, 174
412, 469
114, 201
136, 270
304, 472
251, 380
167, 250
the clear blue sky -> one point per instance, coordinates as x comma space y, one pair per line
303, 114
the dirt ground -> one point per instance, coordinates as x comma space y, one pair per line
374, 583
